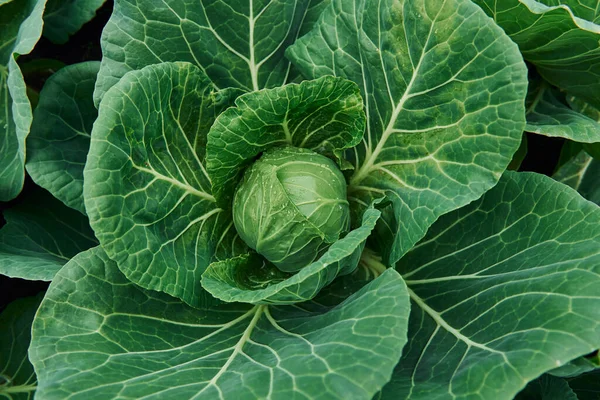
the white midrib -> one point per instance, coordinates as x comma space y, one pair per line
238, 347
365, 169
252, 61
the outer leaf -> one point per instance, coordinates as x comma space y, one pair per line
586, 386
325, 115
40, 236
563, 47
503, 290
247, 279
444, 90
548, 114
238, 44
17, 378
582, 173
62, 18
20, 29
547, 387
145, 185
99, 336
60, 134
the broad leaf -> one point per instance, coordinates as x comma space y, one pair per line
586, 386
547, 387
237, 44
145, 183
548, 114
248, 279
559, 37
325, 115
502, 291
97, 335
40, 236
59, 141
444, 89
17, 378
62, 18
20, 29
582, 173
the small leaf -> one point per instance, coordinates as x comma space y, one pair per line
502, 291
59, 141
325, 115
41, 234
17, 378
62, 18
20, 29
146, 188
98, 335
248, 279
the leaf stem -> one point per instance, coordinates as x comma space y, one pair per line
371, 261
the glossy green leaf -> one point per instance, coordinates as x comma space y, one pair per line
59, 141
548, 114
146, 188
248, 279
586, 386
62, 18
17, 378
40, 236
578, 366
325, 115
20, 29
98, 336
582, 173
502, 291
559, 37
237, 44
444, 89
547, 387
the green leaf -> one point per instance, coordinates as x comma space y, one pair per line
325, 115
59, 141
547, 387
549, 115
582, 173
444, 89
237, 44
97, 335
17, 378
40, 236
586, 386
502, 291
558, 37
578, 366
62, 18
20, 29
248, 279
145, 186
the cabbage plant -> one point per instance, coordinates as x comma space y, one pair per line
312, 199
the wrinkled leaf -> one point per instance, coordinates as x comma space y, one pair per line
548, 114
582, 173
62, 18
559, 38
17, 378
146, 188
59, 141
547, 387
237, 44
502, 291
40, 236
248, 279
109, 338
20, 29
325, 115
444, 89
